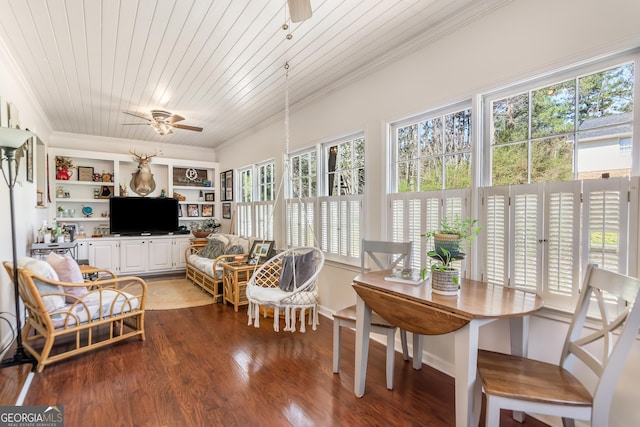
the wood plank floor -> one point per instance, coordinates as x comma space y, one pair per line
204, 366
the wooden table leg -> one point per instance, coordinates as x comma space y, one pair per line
363, 327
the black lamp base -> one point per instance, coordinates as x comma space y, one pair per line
21, 357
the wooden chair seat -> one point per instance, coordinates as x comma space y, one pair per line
527, 379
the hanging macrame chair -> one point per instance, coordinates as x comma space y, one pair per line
289, 281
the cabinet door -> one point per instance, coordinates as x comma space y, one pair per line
133, 256
180, 246
160, 254
83, 251
104, 254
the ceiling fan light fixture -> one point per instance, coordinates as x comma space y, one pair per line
162, 128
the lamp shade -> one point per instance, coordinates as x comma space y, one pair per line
13, 138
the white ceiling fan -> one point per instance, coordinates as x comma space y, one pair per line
299, 10
163, 122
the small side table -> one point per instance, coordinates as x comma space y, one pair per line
234, 282
43, 249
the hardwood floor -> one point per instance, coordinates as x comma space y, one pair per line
204, 366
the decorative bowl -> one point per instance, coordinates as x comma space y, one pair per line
200, 234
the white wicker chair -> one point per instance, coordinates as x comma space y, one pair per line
264, 290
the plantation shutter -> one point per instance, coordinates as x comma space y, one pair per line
245, 219
605, 219
562, 234
495, 217
301, 225
341, 227
412, 214
526, 231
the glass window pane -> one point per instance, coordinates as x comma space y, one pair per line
358, 153
509, 164
552, 160
457, 171
406, 143
431, 174
553, 110
431, 145
599, 153
407, 176
606, 93
510, 119
458, 131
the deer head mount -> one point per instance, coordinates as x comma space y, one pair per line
142, 182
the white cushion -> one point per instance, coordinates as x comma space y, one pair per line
113, 303
276, 295
241, 241
43, 269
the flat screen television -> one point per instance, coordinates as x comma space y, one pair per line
143, 215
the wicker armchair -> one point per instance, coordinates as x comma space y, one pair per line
111, 310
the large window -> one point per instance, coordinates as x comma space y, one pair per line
302, 197
256, 200
433, 151
556, 181
560, 197
341, 206
325, 196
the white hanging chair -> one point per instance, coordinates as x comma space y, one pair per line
289, 282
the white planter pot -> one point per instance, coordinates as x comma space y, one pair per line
442, 281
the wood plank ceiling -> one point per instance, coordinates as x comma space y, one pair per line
219, 64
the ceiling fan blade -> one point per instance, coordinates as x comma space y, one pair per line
299, 10
185, 127
137, 115
175, 118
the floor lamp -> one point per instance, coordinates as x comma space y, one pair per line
10, 140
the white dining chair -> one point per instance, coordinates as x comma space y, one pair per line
521, 384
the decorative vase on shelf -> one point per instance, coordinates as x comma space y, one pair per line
64, 174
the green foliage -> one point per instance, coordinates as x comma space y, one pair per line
444, 259
466, 228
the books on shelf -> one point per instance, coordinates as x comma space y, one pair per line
412, 276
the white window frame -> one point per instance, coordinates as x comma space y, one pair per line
255, 216
301, 212
341, 216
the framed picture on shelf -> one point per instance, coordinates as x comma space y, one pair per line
226, 210
192, 210
260, 251
207, 210
85, 173
226, 186
209, 197
179, 210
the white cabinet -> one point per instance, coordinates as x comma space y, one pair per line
134, 255
160, 254
128, 255
180, 245
104, 254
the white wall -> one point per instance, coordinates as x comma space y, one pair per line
521, 40
12, 89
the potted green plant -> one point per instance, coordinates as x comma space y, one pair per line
451, 234
202, 229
